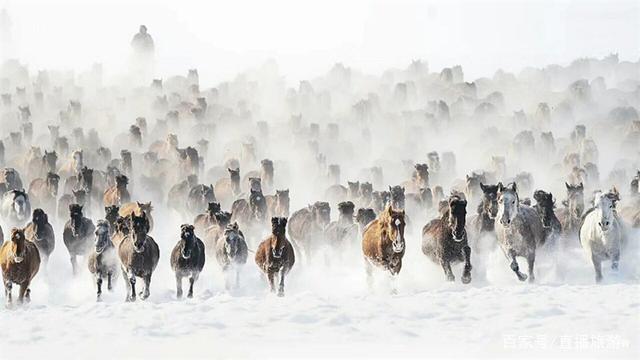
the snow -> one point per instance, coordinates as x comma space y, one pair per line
329, 311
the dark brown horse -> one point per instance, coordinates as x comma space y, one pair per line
206, 219
444, 240
77, 234
275, 255
40, 232
187, 259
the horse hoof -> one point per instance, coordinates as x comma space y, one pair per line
190, 296
280, 293
466, 279
522, 277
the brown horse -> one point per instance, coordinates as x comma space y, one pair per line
307, 225
43, 192
419, 178
278, 204
275, 255
344, 232
383, 243
139, 255
206, 219
20, 262
138, 208
228, 189
215, 231
118, 194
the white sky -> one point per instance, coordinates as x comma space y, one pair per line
221, 38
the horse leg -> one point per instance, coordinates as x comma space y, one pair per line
24, 289
271, 277
109, 279
281, 285
531, 259
597, 265
515, 267
446, 266
615, 260
178, 286
131, 279
192, 280
394, 282
74, 265
147, 284
99, 285
369, 270
237, 278
466, 273
7, 291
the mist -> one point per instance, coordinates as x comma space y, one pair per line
336, 96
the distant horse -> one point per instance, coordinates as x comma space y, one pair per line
307, 226
250, 212
138, 208
545, 205
206, 219
602, 233
44, 192
570, 215
278, 204
15, 207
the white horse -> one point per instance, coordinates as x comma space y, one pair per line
602, 233
15, 208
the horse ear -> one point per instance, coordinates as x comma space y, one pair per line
500, 187
581, 186
482, 187
514, 187
389, 187
389, 210
566, 184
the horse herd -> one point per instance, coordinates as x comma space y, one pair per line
105, 209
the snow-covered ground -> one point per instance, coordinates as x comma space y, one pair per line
329, 311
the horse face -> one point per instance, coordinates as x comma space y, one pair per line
322, 213
53, 180
102, 236
457, 218
21, 206
17, 240
188, 237
490, 199
139, 229
605, 208
232, 239
258, 205
507, 206
396, 230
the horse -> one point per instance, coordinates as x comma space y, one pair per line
40, 232
74, 165
111, 216
187, 259
44, 192
275, 255
11, 178
76, 235
570, 215
519, 230
103, 261
138, 208
215, 231
228, 189
231, 251
602, 233
199, 197
139, 255
206, 219
15, 207
118, 194
278, 204
383, 243
180, 191
307, 225
79, 197
363, 217
419, 178
253, 211
545, 205
20, 262
472, 185
344, 232
484, 220
444, 240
